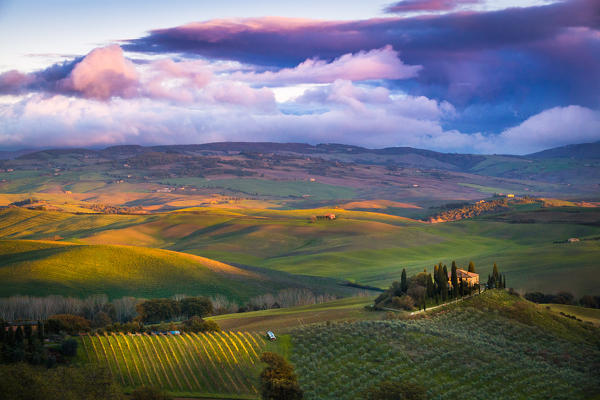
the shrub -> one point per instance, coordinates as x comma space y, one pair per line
404, 303
68, 347
197, 324
71, 324
149, 393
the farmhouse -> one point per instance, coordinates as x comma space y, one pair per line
471, 278
573, 240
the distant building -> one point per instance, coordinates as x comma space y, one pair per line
330, 217
510, 195
271, 335
470, 277
573, 240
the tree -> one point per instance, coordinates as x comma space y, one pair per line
430, 288
69, 347
197, 324
495, 276
396, 391
158, 310
200, 306
40, 331
71, 324
403, 281
404, 302
27, 331
471, 266
278, 380
19, 335
454, 280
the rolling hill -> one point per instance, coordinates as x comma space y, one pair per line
371, 248
43, 268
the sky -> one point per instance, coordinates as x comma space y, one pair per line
476, 76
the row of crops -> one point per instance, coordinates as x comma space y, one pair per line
468, 354
217, 363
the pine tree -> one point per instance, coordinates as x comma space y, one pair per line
471, 266
403, 281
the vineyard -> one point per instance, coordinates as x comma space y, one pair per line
207, 363
467, 353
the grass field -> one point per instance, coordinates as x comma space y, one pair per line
585, 314
285, 319
261, 187
491, 346
44, 268
207, 364
369, 248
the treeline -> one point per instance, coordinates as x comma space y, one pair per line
102, 312
587, 301
108, 209
31, 308
26, 344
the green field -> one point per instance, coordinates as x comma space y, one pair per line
207, 364
369, 248
285, 319
261, 187
585, 314
44, 268
491, 346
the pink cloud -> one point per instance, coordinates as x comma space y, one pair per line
382, 63
102, 74
13, 81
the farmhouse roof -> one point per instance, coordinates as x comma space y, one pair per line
461, 272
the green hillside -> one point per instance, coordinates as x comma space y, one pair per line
491, 346
369, 248
43, 268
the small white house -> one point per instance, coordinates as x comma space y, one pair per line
271, 335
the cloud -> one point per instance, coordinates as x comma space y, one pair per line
427, 5
383, 63
350, 114
466, 58
102, 74
555, 127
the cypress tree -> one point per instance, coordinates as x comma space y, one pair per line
403, 281
495, 274
19, 335
454, 280
503, 281
430, 288
10, 336
40, 331
471, 266
28, 331
2, 331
